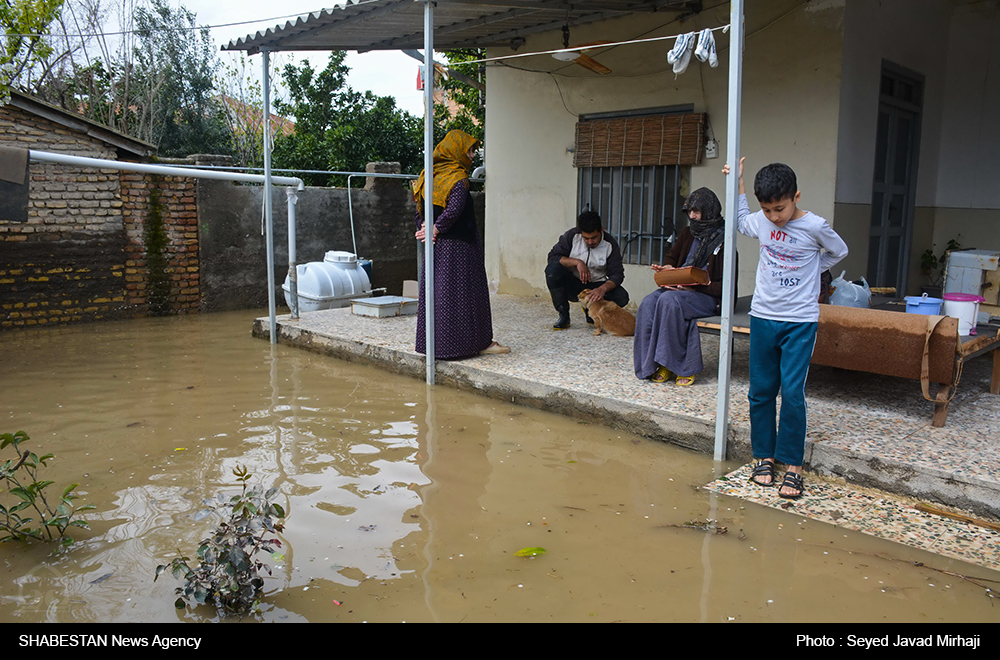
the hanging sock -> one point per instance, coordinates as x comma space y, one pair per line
706, 48
680, 55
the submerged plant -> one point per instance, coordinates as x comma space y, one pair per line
33, 516
228, 573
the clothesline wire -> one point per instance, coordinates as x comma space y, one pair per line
724, 28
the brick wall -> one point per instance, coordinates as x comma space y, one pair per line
160, 219
81, 254
103, 244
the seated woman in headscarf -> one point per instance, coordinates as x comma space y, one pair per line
667, 343
463, 321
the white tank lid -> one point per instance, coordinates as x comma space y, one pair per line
338, 256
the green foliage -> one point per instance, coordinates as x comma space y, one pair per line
154, 82
155, 241
242, 101
23, 44
228, 573
932, 265
468, 104
339, 129
32, 515
177, 61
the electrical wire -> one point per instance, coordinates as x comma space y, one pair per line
574, 49
639, 38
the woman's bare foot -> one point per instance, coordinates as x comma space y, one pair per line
495, 349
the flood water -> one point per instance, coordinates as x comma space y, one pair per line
405, 503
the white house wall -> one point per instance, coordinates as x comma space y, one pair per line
952, 43
967, 193
790, 114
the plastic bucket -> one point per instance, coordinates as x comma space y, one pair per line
965, 308
923, 305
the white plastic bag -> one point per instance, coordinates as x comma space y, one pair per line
849, 294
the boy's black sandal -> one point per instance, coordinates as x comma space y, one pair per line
792, 480
763, 469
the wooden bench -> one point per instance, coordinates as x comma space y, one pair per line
890, 343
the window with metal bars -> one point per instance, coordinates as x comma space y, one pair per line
640, 207
634, 170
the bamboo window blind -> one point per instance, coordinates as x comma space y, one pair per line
666, 139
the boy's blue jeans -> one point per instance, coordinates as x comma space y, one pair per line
780, 352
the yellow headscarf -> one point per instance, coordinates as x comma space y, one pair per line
451, 165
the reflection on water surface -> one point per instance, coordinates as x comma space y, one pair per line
405, 503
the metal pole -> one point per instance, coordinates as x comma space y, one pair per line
350, 214
429, 187
294, 185
163, 170
732, 202
293, 273
268, 211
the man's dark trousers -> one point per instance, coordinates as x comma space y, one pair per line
564, 286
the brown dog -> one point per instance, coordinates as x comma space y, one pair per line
608, 316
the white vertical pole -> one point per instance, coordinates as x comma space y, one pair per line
268, 211
292, 197
732, 201
429, 187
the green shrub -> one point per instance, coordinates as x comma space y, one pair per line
33, 516
932, 265
228, 573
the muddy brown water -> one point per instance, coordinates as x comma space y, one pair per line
405, 503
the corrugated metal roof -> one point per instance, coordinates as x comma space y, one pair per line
399, 24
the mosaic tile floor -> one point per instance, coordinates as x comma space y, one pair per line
873, 513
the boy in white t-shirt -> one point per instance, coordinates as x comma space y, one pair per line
796, 246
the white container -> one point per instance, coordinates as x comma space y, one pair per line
330, 283
384, 306
965, 308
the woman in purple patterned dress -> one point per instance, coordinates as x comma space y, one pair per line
463, 323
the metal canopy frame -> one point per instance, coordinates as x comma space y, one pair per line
398, 24
448, 24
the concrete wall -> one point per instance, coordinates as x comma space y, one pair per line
967, 201
233, 251
952, 44
100, 244
791, 104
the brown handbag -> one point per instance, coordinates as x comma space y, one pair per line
689, 276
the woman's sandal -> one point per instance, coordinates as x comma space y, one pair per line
763, 469
794, 481
662, 375
685, 381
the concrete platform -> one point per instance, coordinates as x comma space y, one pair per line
873, 431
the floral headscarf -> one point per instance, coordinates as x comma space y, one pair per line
451, 165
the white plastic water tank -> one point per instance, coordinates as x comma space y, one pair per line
330, 283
